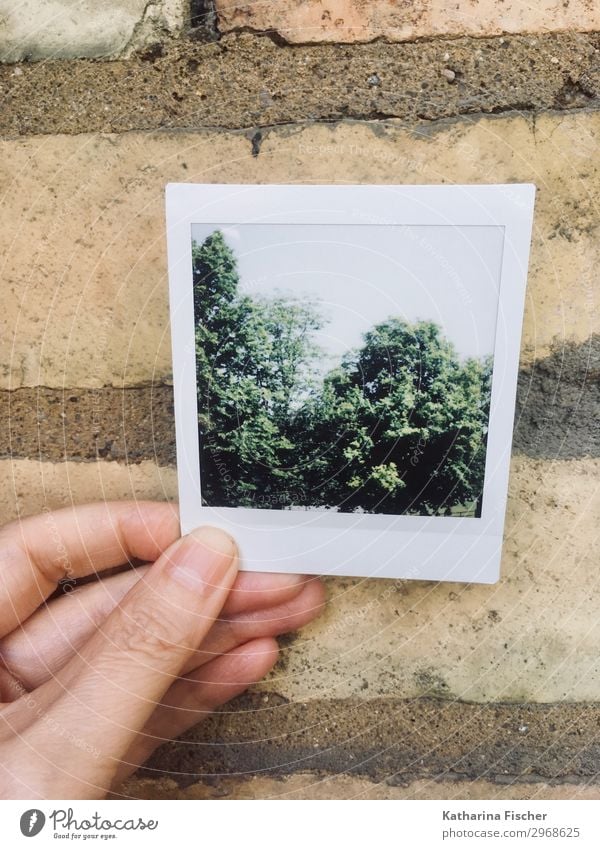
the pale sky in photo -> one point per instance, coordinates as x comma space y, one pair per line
365, 274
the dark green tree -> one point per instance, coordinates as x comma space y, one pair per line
253, 373
400, 427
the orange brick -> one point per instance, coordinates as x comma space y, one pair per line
401, 20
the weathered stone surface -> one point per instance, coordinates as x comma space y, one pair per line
533, 637
129, 425
309, 785
558, 403
388, 740
299, 21
28, 487
248, 82
85, 309
82, 228
38, 29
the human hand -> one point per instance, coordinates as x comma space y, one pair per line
93, 681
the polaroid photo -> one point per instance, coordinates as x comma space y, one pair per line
345, 367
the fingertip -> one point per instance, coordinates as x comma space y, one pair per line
264, 654
215, 540
256, 590
316, 596
204, 560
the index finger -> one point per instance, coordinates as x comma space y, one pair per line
38, 552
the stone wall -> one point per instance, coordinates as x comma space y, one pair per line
401, 690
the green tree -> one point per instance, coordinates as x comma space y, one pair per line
400, 427
253, 361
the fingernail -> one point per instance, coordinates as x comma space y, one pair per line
204, 559
280, 580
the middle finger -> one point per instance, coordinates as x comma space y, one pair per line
35, 651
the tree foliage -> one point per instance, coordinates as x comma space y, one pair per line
399, 427
252, 371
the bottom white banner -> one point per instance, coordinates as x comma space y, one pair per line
281, 823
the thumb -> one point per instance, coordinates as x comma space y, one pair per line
112, 687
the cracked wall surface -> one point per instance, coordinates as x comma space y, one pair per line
243, 82
403, 689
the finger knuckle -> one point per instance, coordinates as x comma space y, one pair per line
144, 632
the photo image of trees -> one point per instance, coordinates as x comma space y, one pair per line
347, 401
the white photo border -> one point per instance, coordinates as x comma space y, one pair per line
439, 548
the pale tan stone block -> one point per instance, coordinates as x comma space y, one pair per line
28, 487
533, 637
312, 786
55, 29
82, 235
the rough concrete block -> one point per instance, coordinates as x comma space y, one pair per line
83, 245
388, 739
299, 21
243, 82
53, 29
